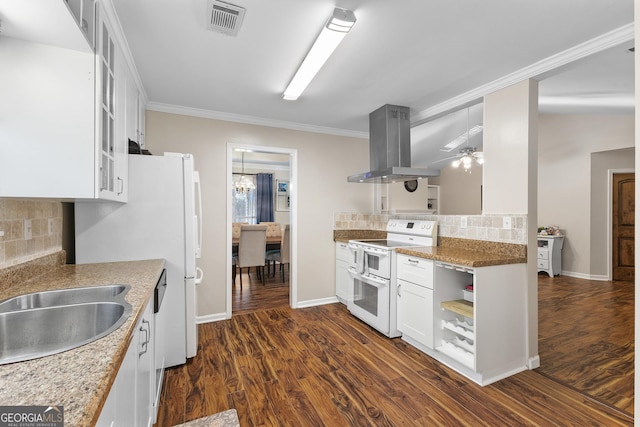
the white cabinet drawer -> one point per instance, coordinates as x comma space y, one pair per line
415, 270
543, 263
343, 253
543, 254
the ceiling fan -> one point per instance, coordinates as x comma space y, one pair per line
468, 155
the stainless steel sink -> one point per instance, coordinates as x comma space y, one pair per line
45, 323
32, 333
63, 297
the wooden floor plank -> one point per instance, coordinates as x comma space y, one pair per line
173, 398
586, 337
321, 366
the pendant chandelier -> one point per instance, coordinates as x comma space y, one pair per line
244, 184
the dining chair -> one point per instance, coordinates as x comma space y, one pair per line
274, 231
251, 250
283, 256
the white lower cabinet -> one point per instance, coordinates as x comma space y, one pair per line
343, 279
130, 401
482, 334
415, 300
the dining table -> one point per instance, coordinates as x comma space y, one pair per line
273, 242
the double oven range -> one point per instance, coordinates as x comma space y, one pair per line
373, 272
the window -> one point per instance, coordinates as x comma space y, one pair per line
244, 202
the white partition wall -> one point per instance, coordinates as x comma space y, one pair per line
510, 176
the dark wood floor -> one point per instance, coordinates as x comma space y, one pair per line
586, 336
320, 366
255, 296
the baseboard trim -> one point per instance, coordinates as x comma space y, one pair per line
533, 362
316, 302
597, 277
211, 318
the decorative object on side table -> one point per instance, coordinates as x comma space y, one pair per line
551, 230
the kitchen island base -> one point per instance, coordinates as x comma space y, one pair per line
478, 320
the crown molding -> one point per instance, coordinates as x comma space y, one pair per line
538, 69
118, 34
240, 118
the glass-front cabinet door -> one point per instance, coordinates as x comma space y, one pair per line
112, 156
107, 108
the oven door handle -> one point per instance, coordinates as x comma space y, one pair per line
381, 254
373, 281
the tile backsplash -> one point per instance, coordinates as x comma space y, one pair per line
476, 227
46, 230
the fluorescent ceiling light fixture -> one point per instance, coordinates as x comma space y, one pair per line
330, 37
462, 138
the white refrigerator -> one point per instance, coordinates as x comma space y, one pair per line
162, 219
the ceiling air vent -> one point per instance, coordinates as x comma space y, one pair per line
224, 17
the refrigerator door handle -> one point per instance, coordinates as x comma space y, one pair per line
198, 218
199, 276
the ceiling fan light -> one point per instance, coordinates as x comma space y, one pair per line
455, 163
480, 160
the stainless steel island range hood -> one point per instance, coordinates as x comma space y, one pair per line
390, 148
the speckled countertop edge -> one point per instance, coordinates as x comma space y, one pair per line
458, 256
346, 235
465, 252
79, 379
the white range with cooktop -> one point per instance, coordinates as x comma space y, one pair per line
373, 272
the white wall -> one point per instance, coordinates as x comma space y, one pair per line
566, 143
460, 191
636, 383
402, 200
324, 162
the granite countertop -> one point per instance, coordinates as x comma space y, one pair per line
345, 235
79, 379
461, 256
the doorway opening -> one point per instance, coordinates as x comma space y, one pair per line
282, 164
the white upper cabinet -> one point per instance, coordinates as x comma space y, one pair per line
84, 14
65, 86
111, 79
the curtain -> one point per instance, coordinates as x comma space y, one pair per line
264, 194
